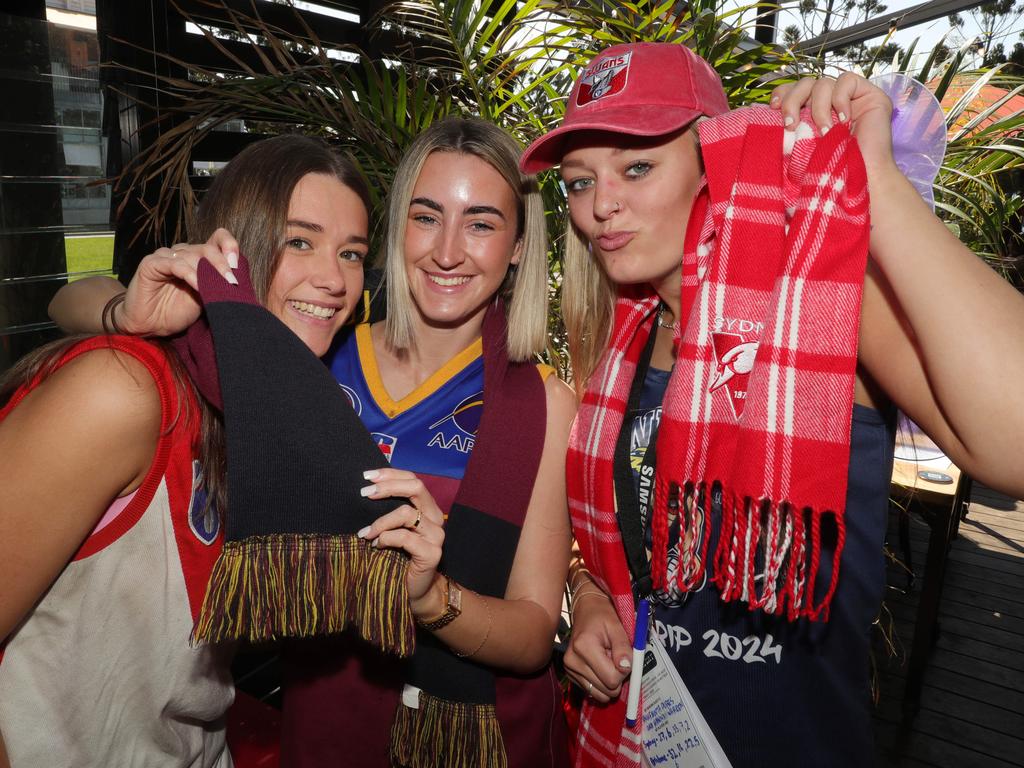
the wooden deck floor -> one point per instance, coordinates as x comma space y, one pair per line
972, 702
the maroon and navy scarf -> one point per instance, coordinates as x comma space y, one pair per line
293, 565
454, 722
758, 405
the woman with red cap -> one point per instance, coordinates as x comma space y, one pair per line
716, 267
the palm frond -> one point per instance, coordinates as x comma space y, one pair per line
514, 62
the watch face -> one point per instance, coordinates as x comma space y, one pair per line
454, 597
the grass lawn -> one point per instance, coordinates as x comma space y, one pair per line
89, 254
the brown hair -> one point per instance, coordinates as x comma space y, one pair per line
251, 195
250, 198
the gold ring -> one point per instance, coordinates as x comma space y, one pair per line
419, 516
590, 688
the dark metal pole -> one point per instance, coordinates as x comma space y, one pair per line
767, 23
880, 25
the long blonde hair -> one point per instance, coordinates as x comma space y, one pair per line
525, 286
588, 303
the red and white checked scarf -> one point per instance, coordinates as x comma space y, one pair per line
778, 240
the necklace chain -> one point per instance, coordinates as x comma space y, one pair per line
661, 321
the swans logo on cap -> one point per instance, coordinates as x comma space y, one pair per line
604, 78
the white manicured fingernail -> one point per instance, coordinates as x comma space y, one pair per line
371, 474
842, 117
625, 664
775, 100
230, 277
233, 260
788, 121
368, 490
362, 532
824, 129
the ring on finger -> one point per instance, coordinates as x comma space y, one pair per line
419, 516
590, 687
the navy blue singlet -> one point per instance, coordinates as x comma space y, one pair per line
776, 693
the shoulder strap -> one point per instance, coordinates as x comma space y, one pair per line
631, 524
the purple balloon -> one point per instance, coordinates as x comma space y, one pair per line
918, 131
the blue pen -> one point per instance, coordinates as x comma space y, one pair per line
643, 614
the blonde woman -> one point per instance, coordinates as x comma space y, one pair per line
730, 462
475, 432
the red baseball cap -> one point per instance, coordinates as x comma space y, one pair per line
641, 89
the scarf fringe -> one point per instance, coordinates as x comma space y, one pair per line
447, 734
768, 553
297, 585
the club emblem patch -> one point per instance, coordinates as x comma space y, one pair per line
203, 520
386, 443
604, 78
735, 361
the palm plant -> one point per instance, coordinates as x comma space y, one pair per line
511, 62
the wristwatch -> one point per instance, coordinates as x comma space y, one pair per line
452, 610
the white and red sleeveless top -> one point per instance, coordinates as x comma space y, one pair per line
100, 672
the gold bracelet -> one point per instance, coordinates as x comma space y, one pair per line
579, 580
579, 585
584, 592
577, 569
577, 598
107, 319
487, 634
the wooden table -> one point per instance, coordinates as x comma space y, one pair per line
916, 479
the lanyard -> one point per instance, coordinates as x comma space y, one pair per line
630, 514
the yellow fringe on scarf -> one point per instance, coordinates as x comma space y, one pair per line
298, 585
447, 734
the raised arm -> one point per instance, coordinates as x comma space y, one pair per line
161, 299
941, 332
515, 633
78, 306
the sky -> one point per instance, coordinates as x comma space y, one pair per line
929, 33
